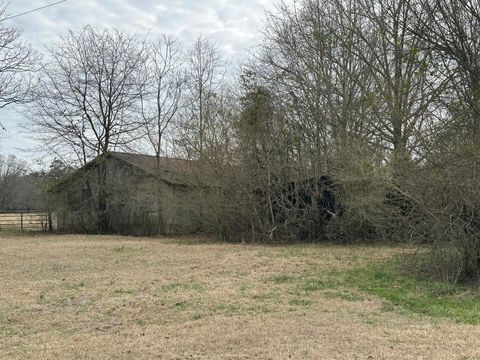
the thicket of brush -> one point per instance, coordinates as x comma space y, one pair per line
352, 120
381, 97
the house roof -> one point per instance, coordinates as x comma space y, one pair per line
171, 170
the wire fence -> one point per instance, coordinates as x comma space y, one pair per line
19, 220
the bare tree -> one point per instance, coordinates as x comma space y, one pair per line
17, 60
205, 73
88, 96
306, 110
403, 88
162, 91
452, 30
308, 61
448, 186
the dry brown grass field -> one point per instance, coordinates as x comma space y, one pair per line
109, 297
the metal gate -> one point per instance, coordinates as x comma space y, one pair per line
19, 220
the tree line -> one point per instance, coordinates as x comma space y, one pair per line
380, 97
22, 188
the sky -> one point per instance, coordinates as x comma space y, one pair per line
235, 25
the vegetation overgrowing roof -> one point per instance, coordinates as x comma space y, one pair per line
173, 171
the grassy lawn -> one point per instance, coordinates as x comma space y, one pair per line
415, 293
106, 297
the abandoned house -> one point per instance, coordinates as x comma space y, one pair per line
131, 194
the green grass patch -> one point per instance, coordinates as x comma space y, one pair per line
182, 286
307, 282
196, 317
75, 285
416, 293
281, 279
344, 295
121, 291
284, 252
122, 249
398, 288
228, 308
180, 305
316, 284
272, 295
141, 322
300, 302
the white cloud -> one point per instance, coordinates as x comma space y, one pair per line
234, 25
184, 18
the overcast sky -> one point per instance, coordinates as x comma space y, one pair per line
233, 24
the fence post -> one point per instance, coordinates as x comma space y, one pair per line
50, 222
21, 220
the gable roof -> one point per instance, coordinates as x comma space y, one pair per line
171, 170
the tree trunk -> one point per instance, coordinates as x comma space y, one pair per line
102, 212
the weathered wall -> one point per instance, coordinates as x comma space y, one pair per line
137, 204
